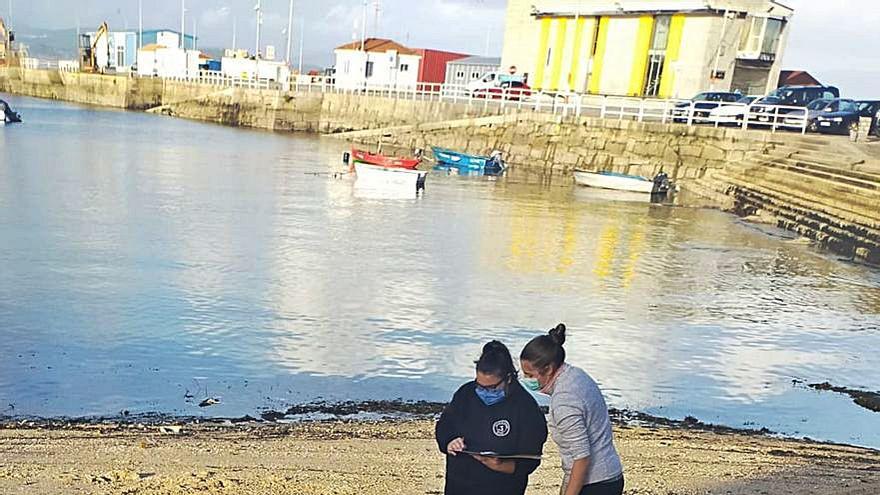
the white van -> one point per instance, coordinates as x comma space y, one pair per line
493, 80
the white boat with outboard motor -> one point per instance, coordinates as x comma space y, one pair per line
374, 175
660, 185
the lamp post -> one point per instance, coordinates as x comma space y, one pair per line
302, 38
140, 23
289, 30
364, 44
259, 10
182, 24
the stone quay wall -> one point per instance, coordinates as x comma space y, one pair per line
264, 109
557, 146
821, 188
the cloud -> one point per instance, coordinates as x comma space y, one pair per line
215, 17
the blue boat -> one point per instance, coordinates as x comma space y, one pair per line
447, 169
462, 161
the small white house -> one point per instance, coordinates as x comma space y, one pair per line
247, 68
382, 63
161, 61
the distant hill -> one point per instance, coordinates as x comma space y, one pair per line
61, 44
48, 44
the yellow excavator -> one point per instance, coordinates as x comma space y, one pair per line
88, 49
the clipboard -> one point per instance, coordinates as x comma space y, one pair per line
496, 455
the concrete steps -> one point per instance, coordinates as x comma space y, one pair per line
841, 159
837, 230
842, 238
825, 196
859, 182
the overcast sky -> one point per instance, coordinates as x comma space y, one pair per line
835, 41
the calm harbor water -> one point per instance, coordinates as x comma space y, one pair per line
143, 257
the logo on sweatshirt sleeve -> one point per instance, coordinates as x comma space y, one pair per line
501, 428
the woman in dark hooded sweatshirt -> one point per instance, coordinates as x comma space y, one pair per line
492, 413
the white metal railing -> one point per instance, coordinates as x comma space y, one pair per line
500, 100
68, 66
30, 63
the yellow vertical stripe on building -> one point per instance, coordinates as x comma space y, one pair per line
673, 49
576, 53
601, 39
640, 57
543, 40
558, 53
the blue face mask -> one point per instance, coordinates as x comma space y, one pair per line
490, 397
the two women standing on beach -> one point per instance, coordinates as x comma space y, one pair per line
579, 424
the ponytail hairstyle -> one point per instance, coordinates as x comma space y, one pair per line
496, 361
546, 351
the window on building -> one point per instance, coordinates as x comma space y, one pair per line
594, 46
761, 36
549, 55
369, 71
657, 55
750, 41
346, 67
475, 75
772, 34
460, 74
120, 56
404, 67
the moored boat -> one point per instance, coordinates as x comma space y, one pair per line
9, 116
392, 177
361, 156
623, 182
489, 165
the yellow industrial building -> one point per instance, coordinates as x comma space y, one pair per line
647, 48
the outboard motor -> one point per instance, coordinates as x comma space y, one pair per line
495, 165
8, 114
661, 184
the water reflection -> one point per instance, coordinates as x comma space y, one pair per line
238, 263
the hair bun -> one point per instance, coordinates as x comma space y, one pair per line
558, 334
494, 347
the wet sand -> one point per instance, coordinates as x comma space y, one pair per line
396, 457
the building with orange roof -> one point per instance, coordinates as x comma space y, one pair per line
377, 62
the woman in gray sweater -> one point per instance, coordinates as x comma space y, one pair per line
578, 421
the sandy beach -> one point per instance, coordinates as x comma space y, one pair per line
395, 457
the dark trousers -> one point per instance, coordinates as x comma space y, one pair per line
614, 487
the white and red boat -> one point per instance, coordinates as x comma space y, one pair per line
361, 156
390, 177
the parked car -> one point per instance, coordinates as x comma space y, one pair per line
871, 109
508, 90
814, 110
801, 96
839, 117
493, 80
703, 105
732, 114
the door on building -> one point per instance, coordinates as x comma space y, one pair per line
657, 55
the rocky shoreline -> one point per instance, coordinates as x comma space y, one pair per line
159, 456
